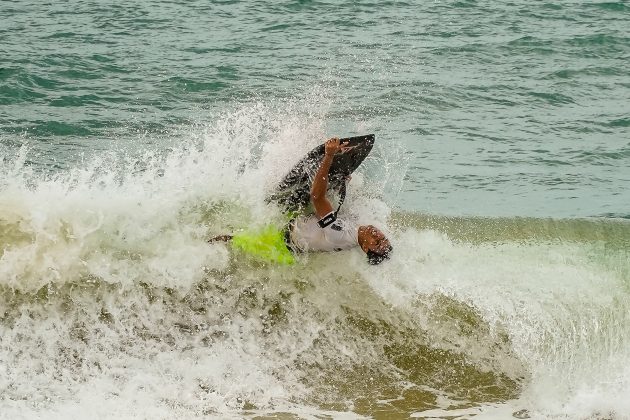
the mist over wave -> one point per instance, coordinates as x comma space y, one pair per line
113, 305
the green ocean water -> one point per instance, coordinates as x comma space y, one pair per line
495, 109
131, 132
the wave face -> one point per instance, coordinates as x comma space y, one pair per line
112, 303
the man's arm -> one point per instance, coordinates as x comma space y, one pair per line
320, 183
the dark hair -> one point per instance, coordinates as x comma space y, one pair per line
375, 258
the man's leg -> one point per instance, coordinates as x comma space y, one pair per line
221, 238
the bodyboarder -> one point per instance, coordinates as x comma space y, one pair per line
321, 231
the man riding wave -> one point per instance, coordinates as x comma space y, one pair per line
322, 231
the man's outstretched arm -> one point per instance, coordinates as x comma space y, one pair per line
320, 182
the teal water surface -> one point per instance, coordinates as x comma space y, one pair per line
493, 109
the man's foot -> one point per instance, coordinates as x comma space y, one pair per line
221, 238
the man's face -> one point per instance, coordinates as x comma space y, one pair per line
375, 241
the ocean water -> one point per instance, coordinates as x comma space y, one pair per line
130, 132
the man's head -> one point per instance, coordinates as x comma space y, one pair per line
374, 243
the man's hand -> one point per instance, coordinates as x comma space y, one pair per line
334, 145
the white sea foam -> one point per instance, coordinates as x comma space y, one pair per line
113, 305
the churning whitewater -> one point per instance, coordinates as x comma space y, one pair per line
112, 304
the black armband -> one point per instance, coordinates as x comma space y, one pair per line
327, 220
